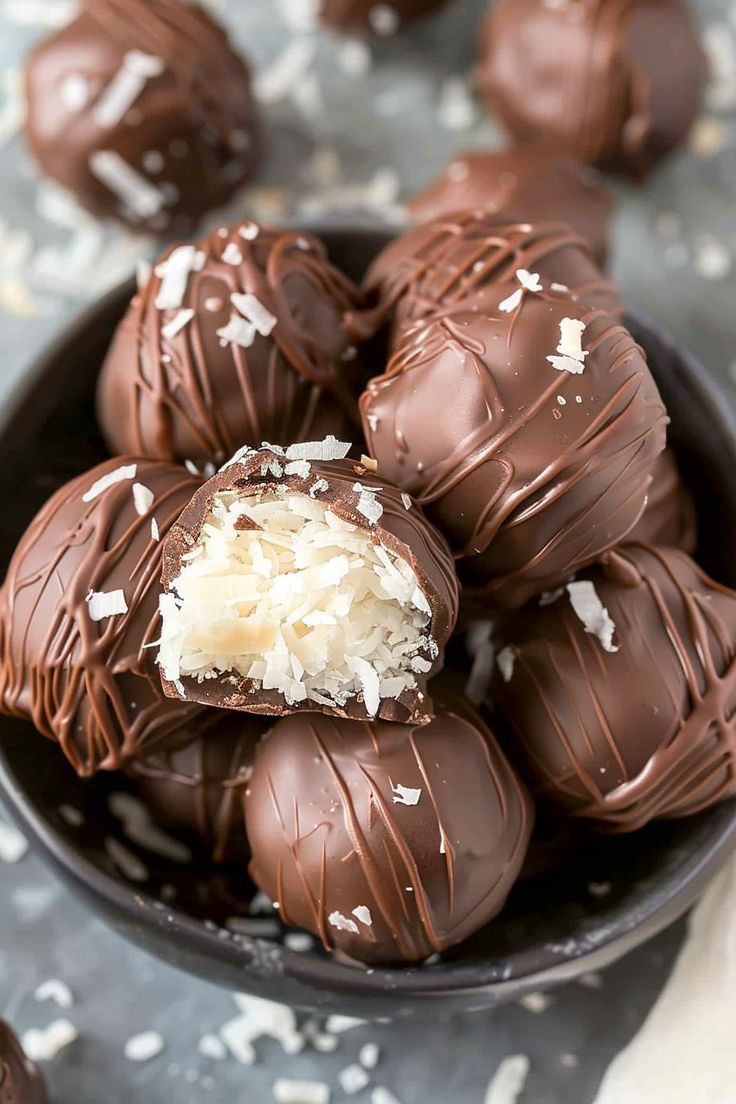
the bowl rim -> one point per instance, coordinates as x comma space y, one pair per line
488, 981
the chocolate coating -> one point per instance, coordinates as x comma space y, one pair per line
329, 832
595, 77
93, 686
199, 788
373, 16
531, 472
404, 531
142, 109
468, 261
197, 396
20, 1081
669, 518
642, 732
531, 184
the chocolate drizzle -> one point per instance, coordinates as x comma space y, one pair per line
669, 518
642, 732
93, 686
198, 396
594, 77
335, 823
20, 1081
531, 472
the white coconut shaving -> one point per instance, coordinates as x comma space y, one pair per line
254, 311
13, 845
119, 475
209, 1046
56, 991
174, 275
529, 281
140, 829
249, 231
142, 498
102, 604
126, 86
155, 534
133, 189
505, 662
278, 80
337, 1024
129, 865
301, 468
593, 614
571, 356
144, 1047
368, 504
363, 914
343, 923
238, 332
181, 319
232, 255
286, 1091
41, 1045
507, 1084
353, 1079
369, 1056
405, 795
328, 449
260, 1018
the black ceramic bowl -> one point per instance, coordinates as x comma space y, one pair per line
553, 928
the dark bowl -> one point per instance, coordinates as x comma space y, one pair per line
553, 929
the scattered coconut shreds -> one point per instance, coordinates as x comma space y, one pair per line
337, 1025
126, 86
238, 332
318, 487
536, 1002
302, 468
192, 467
593, 614
142, 498
155, 535
140, 829
363, 914
133, 189
105, 603
300, 942
406, 500
571, 356
181, 319
144, 1047
119, 475
232, 255
280, 78
210, 1046
381, 1095
368, 504
249, 231
369, 1055
286, 1091
507, 1084
343, 923
529, 280
355, 58
260, 1018
57, 991
254, 311
41, 1045
129, 865
174, 274
456, 109
328, 449
405, 795
559, 287
353, 1079
505, 661
509, 305
13, 845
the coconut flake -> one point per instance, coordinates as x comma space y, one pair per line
572, 356
237, 332
355, 58
254, 311
140, 829
368, 680
75, 91
126, 86
126, 471
505, 662
353, 1079
13, 846
102, 604
567, 364
132, 188
209, 1046
71, 815
287, 1091
382, 1095
593, 614
536, 1002
129, 864
529, 280
301, 468
368, 504
405, 498
181, 319
343, 923
318, 487
232, 255
405, 795
155, 535
363, 913
41, 1045
328, 449
174, 275
144, 1047
57, 991
277, 81
142, 498
509, 305
369, 1055
259, 1018
338, 1024
507, 1084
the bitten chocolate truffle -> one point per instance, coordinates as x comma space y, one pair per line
79, 611
469, 261
542, 456
373, 16
199, 789
533, 184
142, 109
20, 1081
617, 83
298, 581
236, 340
390, 842
619, 694
669, 518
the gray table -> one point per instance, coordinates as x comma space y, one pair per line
673, 256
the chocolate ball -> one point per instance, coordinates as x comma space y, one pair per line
616, 83
469, 261
390, 842
79, 611
20, 1080
199, 789
373, 16
533, 184
143, 110
669, 517
297, 581
619, 694
542, 456
236, 340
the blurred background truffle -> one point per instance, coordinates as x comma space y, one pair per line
20, 1080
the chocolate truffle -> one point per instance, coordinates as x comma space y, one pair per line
142, 109
522, 185
669, 518
619, 694
542, 457
616, 83
469, 261
297, 581
236, 340
373, 16
389, 841
79, 611
198, 789
20, 1081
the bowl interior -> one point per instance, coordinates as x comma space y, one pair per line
555, 925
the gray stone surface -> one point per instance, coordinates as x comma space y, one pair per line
674, 247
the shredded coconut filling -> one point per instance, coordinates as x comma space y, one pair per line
300, 601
